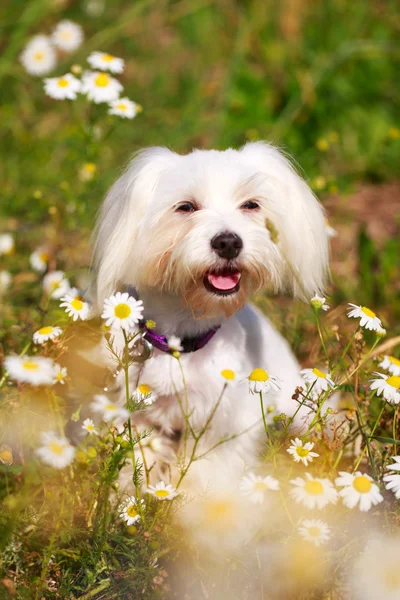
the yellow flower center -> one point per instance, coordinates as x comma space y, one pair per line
219, 511
66, 35
38, 56
260, 486
45, 330
368, 312
258, 375
302, 451
319, 373
110, 407
228, 374
161, 493
77, 303
392, 578
314, 532
394, 361
102, 80
44, 256
394, 381
59, 376
55, 284
122, 311
144, 389
30, 365
62, 82
131, 511
362, 484
89, 167
314, 488
56, 448
89, 427
122, 106
107, 57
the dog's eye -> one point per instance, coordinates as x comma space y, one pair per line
186, 207
250, 205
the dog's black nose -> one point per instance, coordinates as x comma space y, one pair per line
227, 244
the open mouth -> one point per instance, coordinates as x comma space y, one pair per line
223, 283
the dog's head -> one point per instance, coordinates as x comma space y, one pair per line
211, 227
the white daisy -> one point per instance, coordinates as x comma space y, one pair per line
55, 284
46, 333
106, 62
387, 386
75, 305
368, 318
318, 380
393, 481
358, 488
121, 311
302, 452
67, 36
100, 87
319, 302
61, 88
313, 492
260, 381
7, 244
36, 370
174, 343
129, 511
254, 487
39, 57
39, 260
161, 491
60, 374
391, 364
88, 425
144, 393
123, 107
314, 531
109, 411
5, 281
55, 451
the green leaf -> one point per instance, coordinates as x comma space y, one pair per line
385, 440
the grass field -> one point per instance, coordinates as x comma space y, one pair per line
320, 80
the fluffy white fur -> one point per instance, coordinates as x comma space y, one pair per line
144, 242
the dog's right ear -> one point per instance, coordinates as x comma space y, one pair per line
119, 219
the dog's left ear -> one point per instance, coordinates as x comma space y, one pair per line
298, 218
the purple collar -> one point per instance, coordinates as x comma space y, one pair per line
188, 344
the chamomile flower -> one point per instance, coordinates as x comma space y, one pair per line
358, 488
100, 87
5, 281
39, 57
319, 302
61, 88
36, 370
302, 452
46, 333
387, 386
106, 62
129, 511
260, 381
161, 491
67, 36
121, 311
368, 318
55, 451
313, 492
7, 244
393, 480
123, 107
315, 531
60, 374
318, 380
75, 305
174, 343
108, 410
89, 426
391, 364
55, 284
144, 393
39, 260
255, 486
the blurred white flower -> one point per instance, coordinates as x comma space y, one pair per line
318, 380
108, 410
161, 491
61, 88
331, 232
36, 370
393, 480
5, 281
387, 386
129, 511
391, 364
60, 374
175, 343
313, 492
368, 318
55, 451
7, 244
100, 87
39, 260
94, 8
88, 425
67, 36
75, 305
302, 452
39, 57
260, 381
376, 573
122, 311
314, 531
123, 107
255, 486
87, 172
319, 302
55, 284
106, 62
358, 488
144, 393
46, 333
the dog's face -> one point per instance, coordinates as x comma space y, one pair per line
211, 227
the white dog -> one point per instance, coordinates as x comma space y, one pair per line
194, 236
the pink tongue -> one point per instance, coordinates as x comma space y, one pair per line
224, 282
